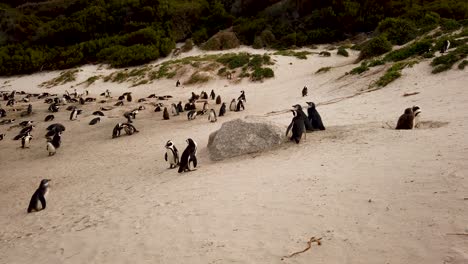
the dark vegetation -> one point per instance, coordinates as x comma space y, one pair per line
62, 34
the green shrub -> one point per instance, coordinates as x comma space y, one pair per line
63, 78
360, 69
197, 77
323, 69
375, 47
262, 73
258, 43
222, 71
417, 48
387, 78
374, 63
188, 46
268, 38
342, 51
222, 41
449, 24
398, 31
302, 55
446, 62
463, 64
120, 56
233, 61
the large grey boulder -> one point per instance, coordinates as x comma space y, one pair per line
244, 136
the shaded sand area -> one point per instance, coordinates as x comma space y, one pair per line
373, 194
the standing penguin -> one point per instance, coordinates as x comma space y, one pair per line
174, 110
233, 105
82, 101
39, 196
54, 108
74, 114
26, 140
172, 155
212, 95
299, 112
212, 116
107, 93
417, 114
188, 161
117, 130
57, 140
222, 110
50, 148
445, 47
298, 127
240, 106
304, 91
242, 96
180, 108
191, 115
314, 117
165, 114
129, 97
177, 83
218, 99
406, 120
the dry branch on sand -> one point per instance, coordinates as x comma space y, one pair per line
309, 245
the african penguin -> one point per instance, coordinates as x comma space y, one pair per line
25, 141
242, 97
445, 47
240, 106
39, 196
417, 114
299, 112
222, 110
212, 116
49, 118
74, 114
314, 117
50, 148
174, 110
2, 136
165, 114
298, 127
54, 108
129, 97
212, 95
188, 160
57, 140
304, 91
117, 129
98, 113
406, 120
218, 99
172, 155
95, 121
157, 109
192, 114
233, 105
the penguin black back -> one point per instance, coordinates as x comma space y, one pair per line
49, 118
165, 114
212, 95
298, 127
222, 110
218, 99
304, 91
188, 156
314, 117
95, 121
39, 196
180, 108
406, 120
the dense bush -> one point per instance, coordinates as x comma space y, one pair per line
50, 35
342, 51
398, 31
375, 47
222, 41
417, 48
446, 62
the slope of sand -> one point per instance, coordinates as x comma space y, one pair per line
374, 195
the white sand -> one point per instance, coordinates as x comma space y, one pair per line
373, 194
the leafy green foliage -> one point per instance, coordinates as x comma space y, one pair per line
375, 47
262, 73
393, 73
302, 55
446, 62
417, 48
342, 51
360, 69
63, 78
398, 31
463, 64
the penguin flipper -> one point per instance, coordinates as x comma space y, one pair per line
165, 156
289, 128
194, 161
43, 201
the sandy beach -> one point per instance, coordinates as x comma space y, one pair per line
373, 194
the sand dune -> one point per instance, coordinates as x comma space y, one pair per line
373, 194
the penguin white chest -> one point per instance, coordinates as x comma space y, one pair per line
171, 159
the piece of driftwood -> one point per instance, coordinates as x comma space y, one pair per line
410, 94
309, 245
457, 234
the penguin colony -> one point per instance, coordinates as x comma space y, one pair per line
299, 126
